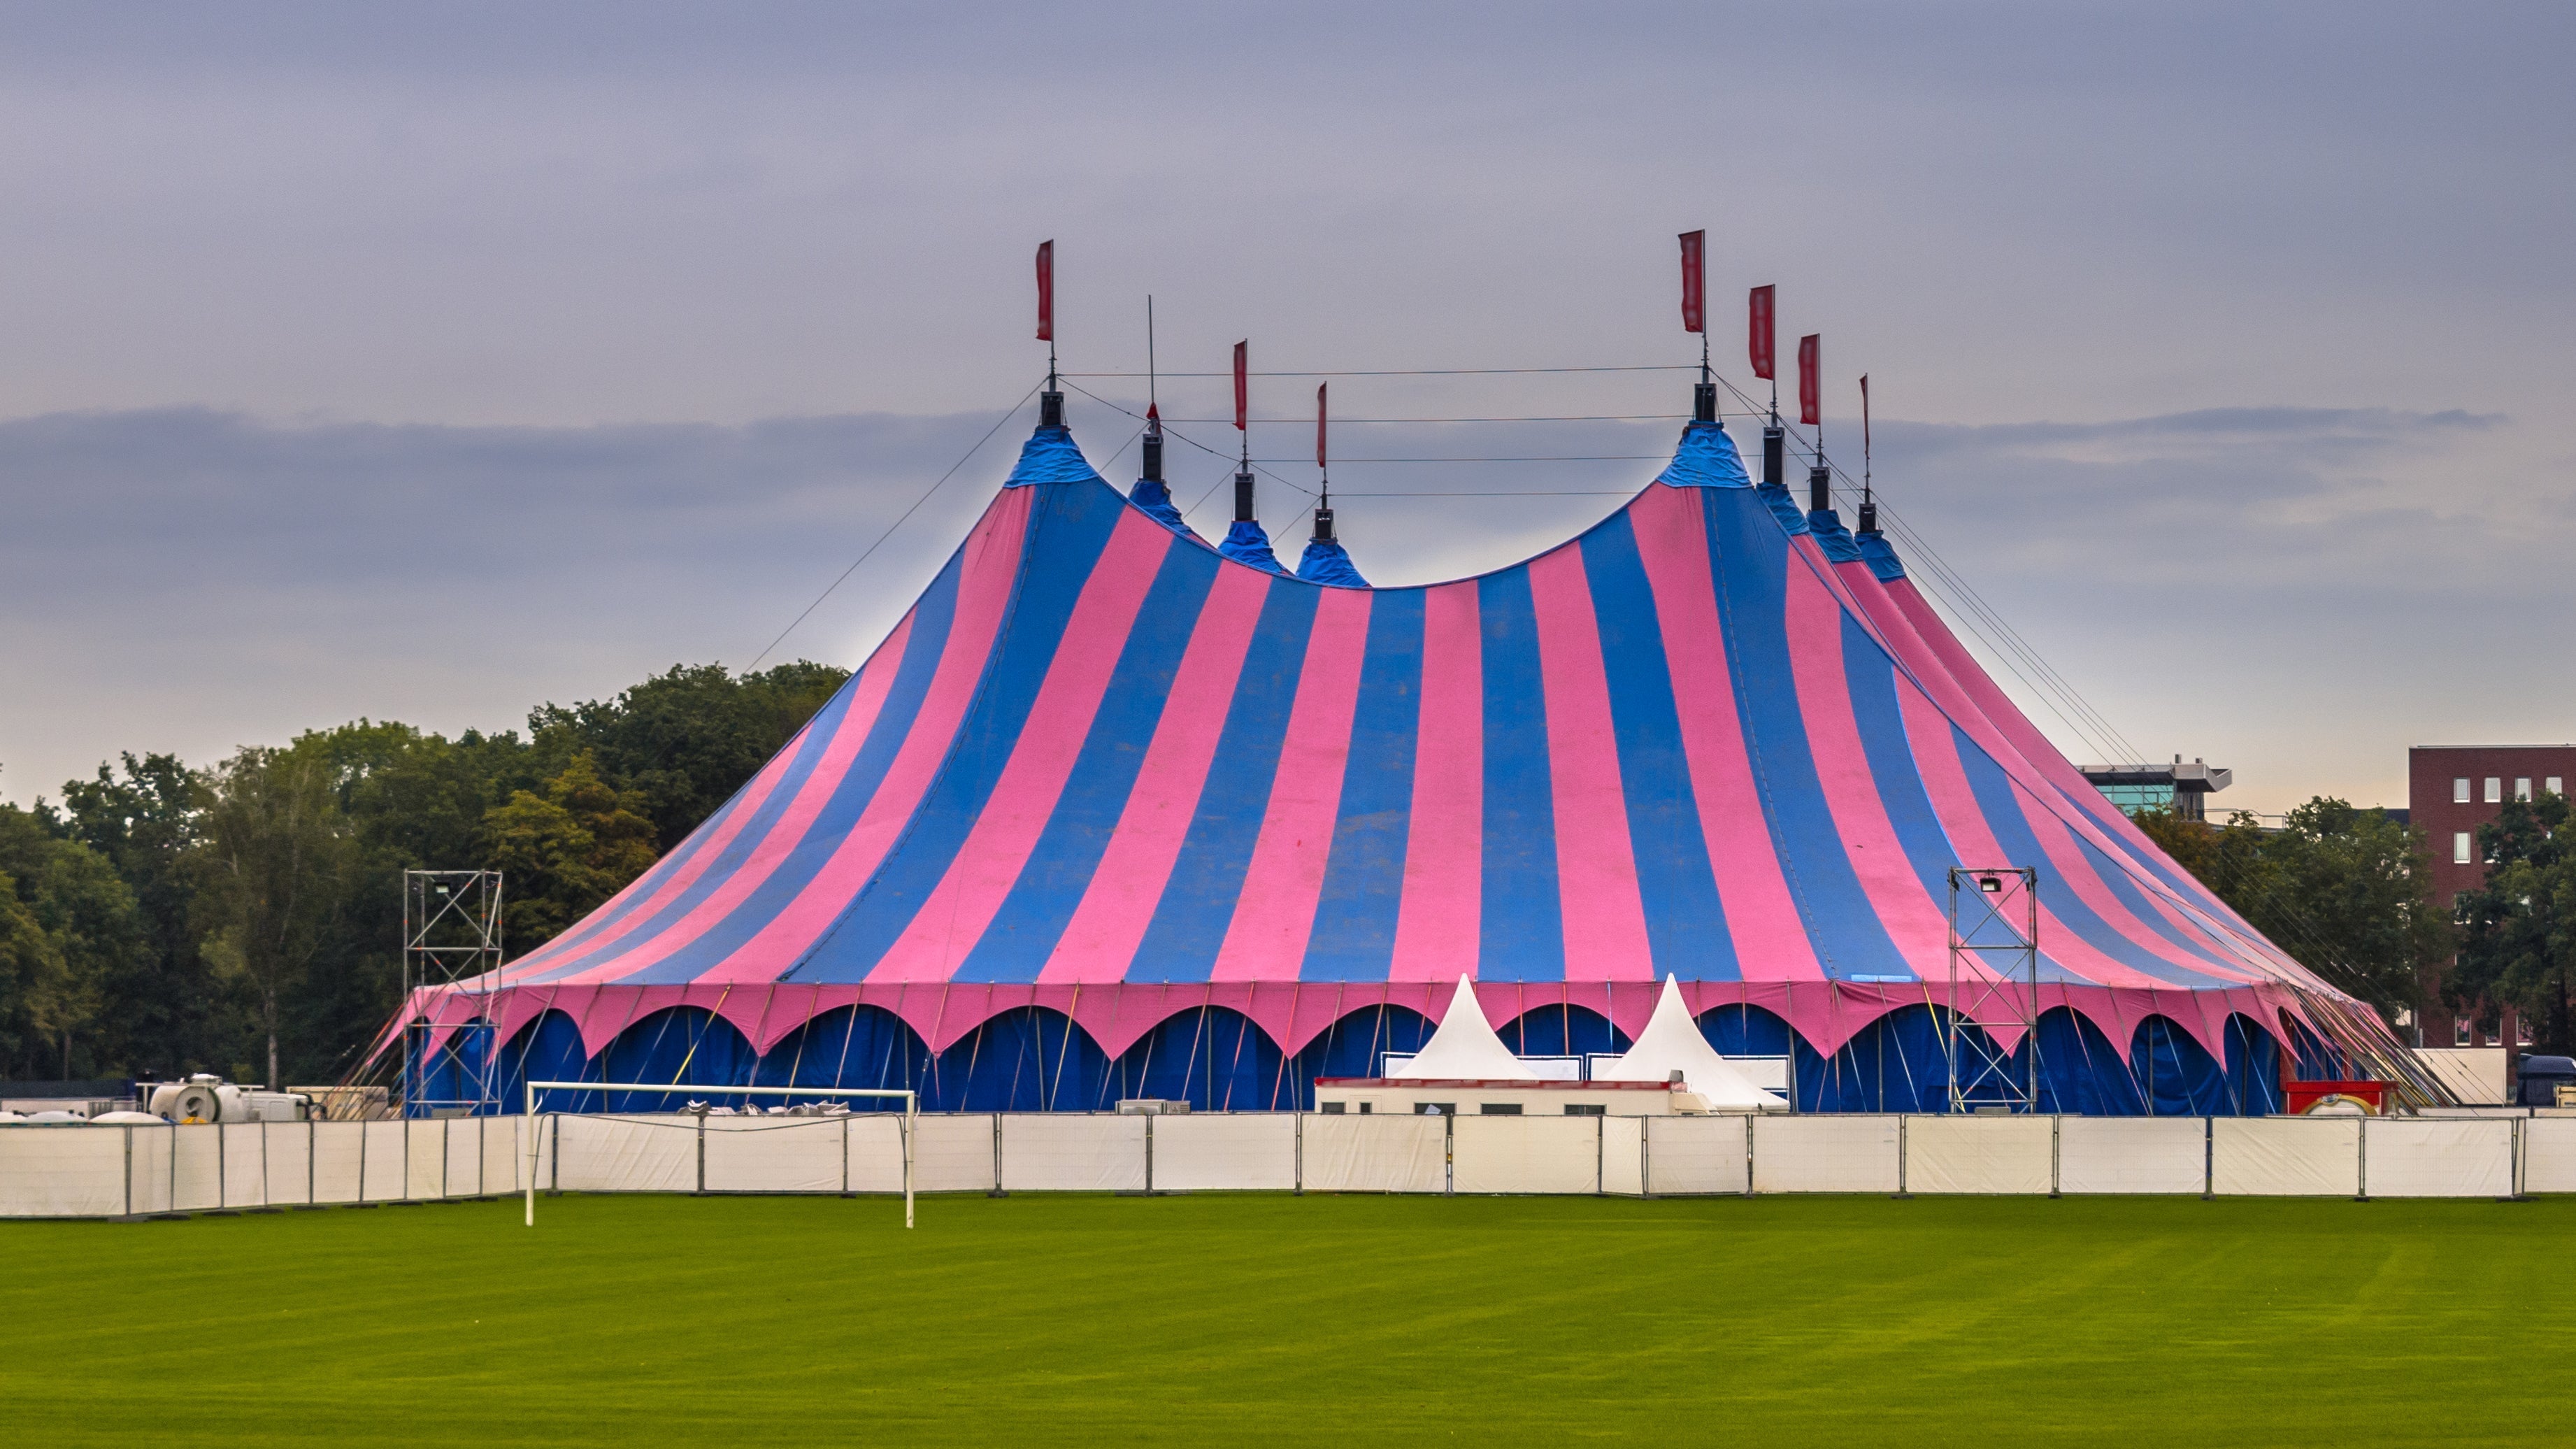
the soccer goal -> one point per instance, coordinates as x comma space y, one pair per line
911, 1117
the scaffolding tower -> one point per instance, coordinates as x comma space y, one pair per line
1994, 980
451, 941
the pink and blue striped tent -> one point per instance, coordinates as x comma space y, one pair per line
1104, 780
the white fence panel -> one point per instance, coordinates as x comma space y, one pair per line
1526, 1154
49, 1172
2132, 1154
2548, 1154
876, 1153
339, 1157
147, 1172
1371, 1153
461, 1174
425, 1164
2402, 1158
954, 1154
1970, 1154
1045, 1152
503, 1154
196, 1173
1691, 1155
1823, 1154
2286, 1156
290, 1161
245, 1164
774, 1154
643, 1153
1623, 1155
1221, 1152
382, 1172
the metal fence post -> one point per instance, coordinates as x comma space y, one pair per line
1901, 1190
1448, 1154
2361, 1185
2208, 1158
702, 1157
129, 1171
2056, 1171
1299, 1170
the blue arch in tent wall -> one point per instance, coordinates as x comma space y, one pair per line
1037, 1060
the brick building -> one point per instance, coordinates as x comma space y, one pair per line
2451, 790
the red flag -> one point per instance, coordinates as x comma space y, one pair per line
1811, 405
1694, 281
1242, 389
1760, 333
1046, 291
1319, 423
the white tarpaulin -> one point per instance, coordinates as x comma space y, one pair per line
1623, 1155
1072, 1152
655, 1152
1824, 1154
2286, 1156
196, 1174
2549, 1154
2455, 1158
954, 1154
1971, 1154
245, 1164
1371, 1153
774, 1154
2132, 1154
64, 1171
383, 1170
1687, 1155
1233, 1152
338, 1150
1526, 1154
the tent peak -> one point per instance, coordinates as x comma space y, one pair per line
1465, 1047
1051, 456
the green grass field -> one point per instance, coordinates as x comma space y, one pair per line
626, 1320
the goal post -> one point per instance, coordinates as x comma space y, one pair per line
911, 1117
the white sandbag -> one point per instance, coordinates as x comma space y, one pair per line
1824, 1153
1972, 1154
1376, 1153
1230, 1151
2132, 1154
1526, 1154
1072, 1152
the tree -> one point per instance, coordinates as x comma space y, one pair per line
161, 1009
91, 921
563, 853
2344, 891
2518, 930
688, 738
277, 866
32, 983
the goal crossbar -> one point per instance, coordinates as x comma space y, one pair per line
911, 1116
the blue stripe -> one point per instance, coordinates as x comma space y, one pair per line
1354, 937
1750, 561
933, 617
1069, 527
1523, 931
1871, 677
1042, 901
1189, 923
1685, 922
2001, 805
2136, 900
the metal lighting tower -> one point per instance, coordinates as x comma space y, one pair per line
1994, 976
451, 938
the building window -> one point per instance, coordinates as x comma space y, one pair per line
2459, 847
2554, 785
1332, 1109
1585, 1109
1498, 1109
2522, 787
2460, 791
2495, 790
1435, 1109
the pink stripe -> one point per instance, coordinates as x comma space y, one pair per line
1438, 924
1672, 540
1936, 757
953, 917
876, 677
1919, 926
1596, 863
991, 574
1275, 912
1118, 904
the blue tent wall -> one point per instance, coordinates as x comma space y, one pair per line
1350, 1047
861, 1046
547, 1049
682, 1045
1029, 1059
1561, 1031
1213, 1058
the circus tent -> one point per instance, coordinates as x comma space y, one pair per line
1111, 814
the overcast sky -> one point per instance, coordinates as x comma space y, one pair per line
431, 362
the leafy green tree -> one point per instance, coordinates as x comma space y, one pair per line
2518, 930
687, 738
2345, 891
92, 921
277, 868
163, 1012
33, 983
565, 852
